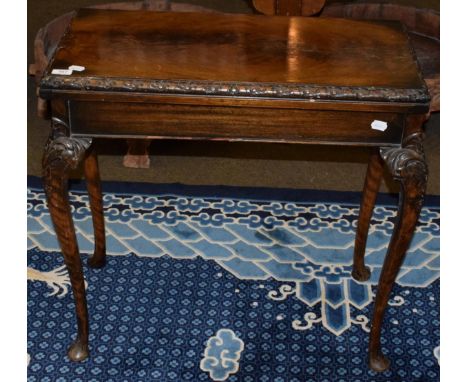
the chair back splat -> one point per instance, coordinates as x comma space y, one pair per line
289, 7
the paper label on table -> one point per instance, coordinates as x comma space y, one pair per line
76, 68
63, 72
379, 125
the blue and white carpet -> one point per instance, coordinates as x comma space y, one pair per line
230, 284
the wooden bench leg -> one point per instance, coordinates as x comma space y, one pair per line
93, 183
407, 165
369, 195
60, 155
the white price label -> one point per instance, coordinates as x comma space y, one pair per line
62, 72
76, 68
379, 125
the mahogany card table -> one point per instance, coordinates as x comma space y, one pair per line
156, 75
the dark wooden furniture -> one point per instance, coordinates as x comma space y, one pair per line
48, 37
422, 25
236, 77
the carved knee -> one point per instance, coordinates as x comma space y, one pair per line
65, 152
407, 165
61, 152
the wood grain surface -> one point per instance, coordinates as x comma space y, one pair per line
148, 120
238, 48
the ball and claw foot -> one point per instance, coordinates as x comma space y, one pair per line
362, 274
78, 351
379, 362
97, 261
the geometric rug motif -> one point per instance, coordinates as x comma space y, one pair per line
152, 319
308, 246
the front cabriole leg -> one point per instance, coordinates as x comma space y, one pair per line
407, 165
61, 154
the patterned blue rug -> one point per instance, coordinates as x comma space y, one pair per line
230, 284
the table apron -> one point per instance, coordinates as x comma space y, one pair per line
147, 120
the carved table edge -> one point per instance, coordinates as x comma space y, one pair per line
49, 83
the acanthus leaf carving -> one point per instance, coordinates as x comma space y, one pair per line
61, 151
407, 164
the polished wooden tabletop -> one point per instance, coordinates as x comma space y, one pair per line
238, 48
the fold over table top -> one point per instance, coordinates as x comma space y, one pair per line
236, 55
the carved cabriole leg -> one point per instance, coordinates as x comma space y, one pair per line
408, 166
93, 183
60, 155
369, 195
